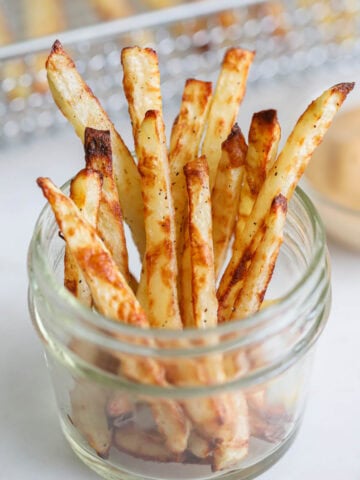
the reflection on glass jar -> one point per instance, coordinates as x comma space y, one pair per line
155, 404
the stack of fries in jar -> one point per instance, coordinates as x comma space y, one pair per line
191, 201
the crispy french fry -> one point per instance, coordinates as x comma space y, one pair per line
79, 105
199, 446
118, 405
160, 255
88, 401
264, 137
262, 265
185, 287
111, 294
141, 83
110, 226
109, 10
229, 92
223, 420
85, 191
147, 445
115, 299
282, 178
202, 278
184, 144
226, 193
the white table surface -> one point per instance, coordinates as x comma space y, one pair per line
31, 444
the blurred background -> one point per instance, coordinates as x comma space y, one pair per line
295, 40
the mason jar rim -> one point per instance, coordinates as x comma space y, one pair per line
40, 271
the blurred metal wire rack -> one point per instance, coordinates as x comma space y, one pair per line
288, 36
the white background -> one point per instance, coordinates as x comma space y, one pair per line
31, 444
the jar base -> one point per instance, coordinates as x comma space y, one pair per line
110, 471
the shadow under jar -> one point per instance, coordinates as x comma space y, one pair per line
220, 403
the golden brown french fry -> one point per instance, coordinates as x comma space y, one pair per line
141, 83
40, 19
118, 405
111, 294
147, 445
264, 137
115, 299
226, 193
199, 446
235, 439
79, 105
109, 225
282, 178
202, 278
184, 283
262, 265
223, 420
229, 92
88, 401
184, 144
160, 255
85, 191
110, 9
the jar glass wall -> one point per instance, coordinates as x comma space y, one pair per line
156, 404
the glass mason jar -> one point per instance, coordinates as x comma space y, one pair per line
226, 403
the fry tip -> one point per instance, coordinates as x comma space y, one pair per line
344, 87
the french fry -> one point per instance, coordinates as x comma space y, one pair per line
184, 283
282, 178
160, 255
88, 402
235, 439
199, 446
141, 82
184, 145
229, 92
262, 265
226, 193
147, 445
213, 417
79, 105
110, 226
118, 405
111, 294
202, 278
115, 299
85, 191
222, 420
264, 137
